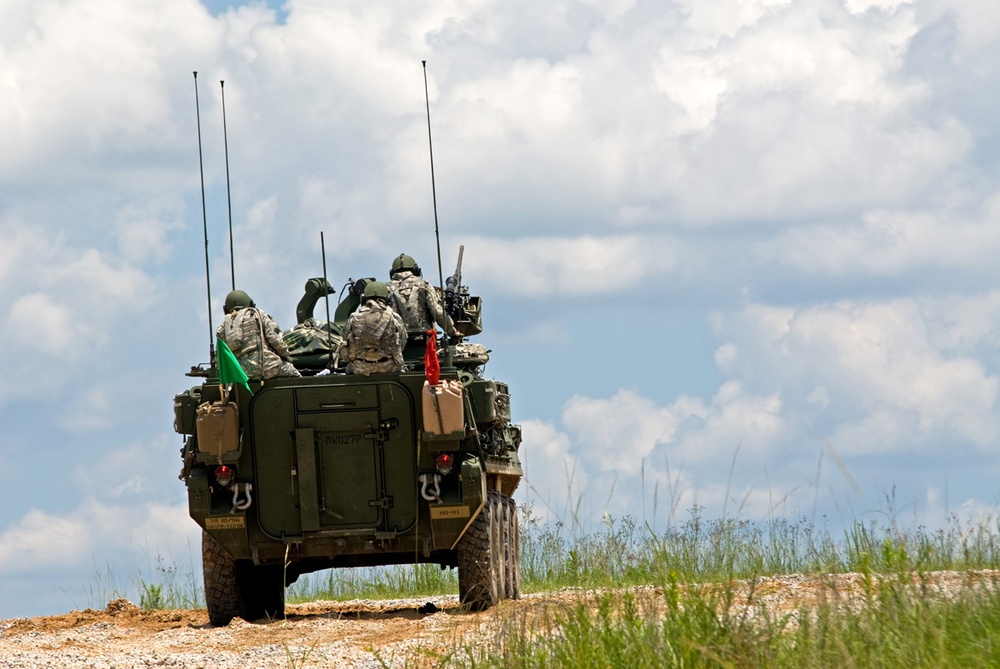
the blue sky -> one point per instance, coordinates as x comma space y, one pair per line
703, 231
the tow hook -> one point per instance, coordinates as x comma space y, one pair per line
237, 504
434, 480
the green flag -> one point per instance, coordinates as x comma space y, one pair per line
229, 367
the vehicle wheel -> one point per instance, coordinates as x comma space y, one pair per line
477, 583
261, 590
513, 545
221, 590
498, 544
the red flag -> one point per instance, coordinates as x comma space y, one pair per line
432, 368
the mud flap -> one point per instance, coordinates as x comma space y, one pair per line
450, 521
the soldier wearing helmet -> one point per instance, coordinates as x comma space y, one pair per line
415, 299
374, 335
254, 338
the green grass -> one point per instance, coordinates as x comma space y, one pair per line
160, 583
374, 583
892, 627
897, 623
623, 552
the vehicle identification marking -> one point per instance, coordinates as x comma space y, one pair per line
225, 523
440, 512
340, 439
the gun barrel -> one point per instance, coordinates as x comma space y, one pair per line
458, 266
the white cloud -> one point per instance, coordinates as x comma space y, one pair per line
658, 462
90, 79
877, 362
134, 469
574, 266
144, 230
888, 243
823, 54
694, 84
963, 325
867, 378
726, 356
65, 299
711, 22
42, 540
554, 478
90, 411
862, 6
618, 433
736, 421
978, 22
37, 324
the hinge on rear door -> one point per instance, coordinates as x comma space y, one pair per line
381, 434
384, 502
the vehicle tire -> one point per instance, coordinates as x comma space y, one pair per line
513, 545
261, 591
477, 583
221, 590
498, 544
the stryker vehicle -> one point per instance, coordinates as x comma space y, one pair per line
343, 470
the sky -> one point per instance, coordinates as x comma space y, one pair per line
733, 254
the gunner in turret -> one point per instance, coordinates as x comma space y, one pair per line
415, 299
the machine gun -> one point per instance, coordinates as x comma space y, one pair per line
464, 309
455, 294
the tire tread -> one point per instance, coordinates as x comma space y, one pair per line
222, 596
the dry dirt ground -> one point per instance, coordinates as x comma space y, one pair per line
362, 633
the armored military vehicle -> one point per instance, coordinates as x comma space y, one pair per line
332, 469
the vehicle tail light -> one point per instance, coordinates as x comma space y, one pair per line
444, 462
224, 475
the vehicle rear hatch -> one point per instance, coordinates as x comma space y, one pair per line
337, 458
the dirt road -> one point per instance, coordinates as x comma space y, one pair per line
345, 634
319, 634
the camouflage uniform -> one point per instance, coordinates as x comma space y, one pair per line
255, 340
417, 302
373, 340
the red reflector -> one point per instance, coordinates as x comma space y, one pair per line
444, 462
224, 475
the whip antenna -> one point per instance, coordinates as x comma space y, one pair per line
204, 224
326, 293
430, 145
229, 201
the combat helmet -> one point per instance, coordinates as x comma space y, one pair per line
236, 299
376, 289
404, 263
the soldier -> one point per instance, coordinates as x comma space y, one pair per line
415, 299
374, 335
254, 338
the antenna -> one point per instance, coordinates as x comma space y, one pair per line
430, 144
204, 223
326, 292
229, 200
437, 236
